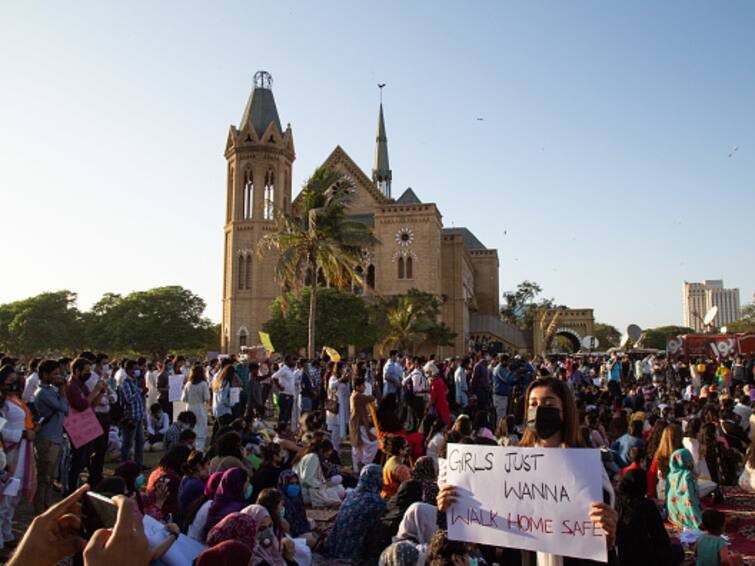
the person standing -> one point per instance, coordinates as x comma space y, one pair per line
196, 394
132, 426
392, 375
81, 398
163, 388
222, 409
416, 383
461, 387
479, 385
51, 403
364, 444
284, 379
439, 398
18, 435
151, 382
102, 412
32, 384
501, 379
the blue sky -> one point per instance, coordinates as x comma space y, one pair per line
600, 170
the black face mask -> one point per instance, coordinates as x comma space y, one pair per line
544, 421
85, 376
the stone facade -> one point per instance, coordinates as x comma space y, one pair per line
415, 250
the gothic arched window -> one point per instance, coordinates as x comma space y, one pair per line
409, 268
248, 195
371, 277
241, 271
242, 339
267, 211
401, 268
248, 274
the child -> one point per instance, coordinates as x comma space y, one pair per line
711, 549
636, 460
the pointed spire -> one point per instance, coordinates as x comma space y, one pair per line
260, 110
381, 170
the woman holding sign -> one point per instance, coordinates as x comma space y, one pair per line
552, 422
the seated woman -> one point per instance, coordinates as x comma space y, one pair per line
227, 552
229, 454
681, 493
391, 424
425, 471
231, 496
395, 470
272, 547
641, 537
270, 467
315, 489
195, 518
235, 527
193, 482
418, 526
747, 477
168, 473
705, 483
359, 511
386, 527
293, 504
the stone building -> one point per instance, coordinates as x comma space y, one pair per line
415, 250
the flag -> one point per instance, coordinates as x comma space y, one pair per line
265, 339
332, 353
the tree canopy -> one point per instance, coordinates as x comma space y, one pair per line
746, 321
656, 337
607, 335
520, 305
343, 319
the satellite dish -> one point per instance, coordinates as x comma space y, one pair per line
724, 330
624, 341
634, 332
590, 342
710, 315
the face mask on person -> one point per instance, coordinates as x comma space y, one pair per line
106, 369
544, 421
137, 373
86, 375
293, 490
248, 491
139, 482
265, 537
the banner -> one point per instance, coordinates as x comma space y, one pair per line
175, 387
332, 354
82, 426
265, 339
530, 498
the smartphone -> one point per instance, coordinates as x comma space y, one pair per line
97, 512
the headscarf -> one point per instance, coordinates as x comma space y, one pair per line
419, 523
401, 553
358, 513
681, 495
294, 506
632, 489
227, 553
229, 497
424, 471
271, 554
236, 526
213, 482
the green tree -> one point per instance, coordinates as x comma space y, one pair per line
156, 321
656, 337
343, 319
607, 335
746, 321
407, 321
49, 323
520, 305
318, 239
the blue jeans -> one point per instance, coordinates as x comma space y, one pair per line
285, 406
132, 435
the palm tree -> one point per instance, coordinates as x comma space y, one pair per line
318, 239
403, 326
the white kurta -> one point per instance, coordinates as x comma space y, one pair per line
196, 396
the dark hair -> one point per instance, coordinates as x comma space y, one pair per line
175, 458
270, 498
111, 486
635, 428
129, 364
196, 375
269, 451
570, 426
693, 428
154, 407
187, 435
227, 374
193, 463
5, 373
98, 359
713, 521
79, 364
442, 550
187, 417
637, 454
229, 444
47, 367
358, 382
393, 444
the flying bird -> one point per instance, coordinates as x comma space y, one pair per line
381, 85
480, 119
733, 150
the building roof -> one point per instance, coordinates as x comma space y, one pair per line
408, 197
260, 111
470, 240
380, 166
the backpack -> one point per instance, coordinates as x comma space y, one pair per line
118, 409
408, 387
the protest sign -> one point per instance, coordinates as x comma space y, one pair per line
529, 498
82, 426
266, 342
235, 395
175, 386
183, 550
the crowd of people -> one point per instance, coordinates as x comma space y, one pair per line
249, 448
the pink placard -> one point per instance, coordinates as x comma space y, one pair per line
82, 426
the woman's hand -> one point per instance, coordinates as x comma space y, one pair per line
53, 535
161, 492
605, 517
287, 548
173, 529
447, 496
124, 545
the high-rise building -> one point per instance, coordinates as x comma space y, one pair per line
700, 297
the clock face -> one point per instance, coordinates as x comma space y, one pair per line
405, 237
